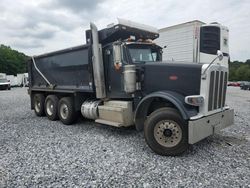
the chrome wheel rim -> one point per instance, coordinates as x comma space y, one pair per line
49, 107
168, 133
64, 111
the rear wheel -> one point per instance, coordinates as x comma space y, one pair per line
66, 111
39, 104
51, 104
166, 132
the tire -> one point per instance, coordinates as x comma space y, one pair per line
66, 111
39, 104
166, 133
51, 107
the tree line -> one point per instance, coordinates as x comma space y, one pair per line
13, 62
239, 71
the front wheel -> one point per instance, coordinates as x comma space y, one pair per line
166, 132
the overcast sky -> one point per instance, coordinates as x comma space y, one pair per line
39, 26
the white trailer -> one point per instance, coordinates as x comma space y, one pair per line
25, 79
19, 79
194, 41
22, 79
12, 79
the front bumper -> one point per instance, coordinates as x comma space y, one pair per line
201, 128
4, 85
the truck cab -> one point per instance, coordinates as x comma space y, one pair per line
119, 54
119, 79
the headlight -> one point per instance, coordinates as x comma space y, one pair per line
194, 100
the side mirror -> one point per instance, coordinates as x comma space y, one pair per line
117, 56
219, 55
108, 52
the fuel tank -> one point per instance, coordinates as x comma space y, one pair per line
183, 78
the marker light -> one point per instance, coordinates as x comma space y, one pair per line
194, 100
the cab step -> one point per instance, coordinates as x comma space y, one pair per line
106, 122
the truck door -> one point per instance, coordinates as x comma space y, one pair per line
114, 76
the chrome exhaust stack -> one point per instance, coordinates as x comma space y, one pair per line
98, 69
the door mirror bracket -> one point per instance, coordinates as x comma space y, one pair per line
117, 56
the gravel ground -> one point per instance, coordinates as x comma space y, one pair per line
36, 152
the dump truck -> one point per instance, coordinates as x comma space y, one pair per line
195, 42
118, 79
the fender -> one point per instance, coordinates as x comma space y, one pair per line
175, 98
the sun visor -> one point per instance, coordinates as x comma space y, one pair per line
123, 30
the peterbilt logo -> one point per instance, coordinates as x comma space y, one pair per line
173, 77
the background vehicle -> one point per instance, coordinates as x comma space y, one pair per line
22, 80
118, 79
4, 83
235, 84
25, 80
245, 85
194, 41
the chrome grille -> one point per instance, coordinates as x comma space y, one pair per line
217, 90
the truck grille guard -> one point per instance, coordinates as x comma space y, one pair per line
213, 88
217, 90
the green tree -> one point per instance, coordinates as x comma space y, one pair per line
12, 61
247, 74
239, 71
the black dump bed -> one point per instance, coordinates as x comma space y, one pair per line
71, 69
68, 69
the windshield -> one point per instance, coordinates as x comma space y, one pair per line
143, 54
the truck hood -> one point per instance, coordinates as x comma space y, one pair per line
183, 78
